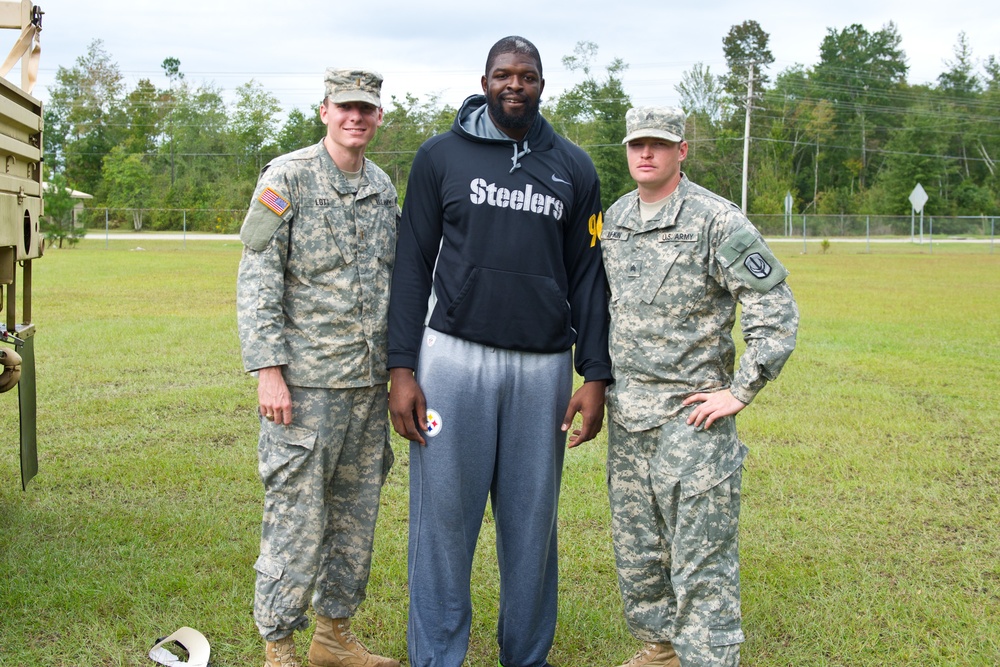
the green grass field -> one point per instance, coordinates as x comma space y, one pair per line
870, 510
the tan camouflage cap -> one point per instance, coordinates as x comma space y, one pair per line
656, 122
353, 85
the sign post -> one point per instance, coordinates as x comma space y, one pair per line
917, 199
788, 213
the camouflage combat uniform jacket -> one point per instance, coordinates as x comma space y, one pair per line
675, 282
313, 285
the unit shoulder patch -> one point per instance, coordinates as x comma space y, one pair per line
747, 256
757, 265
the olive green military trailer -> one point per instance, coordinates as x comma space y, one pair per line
21, 241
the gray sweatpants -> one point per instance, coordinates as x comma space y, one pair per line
497, 416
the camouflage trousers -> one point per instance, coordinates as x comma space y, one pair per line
675, 505
322, 476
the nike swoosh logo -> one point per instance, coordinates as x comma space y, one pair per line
559, 180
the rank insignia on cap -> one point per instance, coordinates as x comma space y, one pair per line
273, 201
433, 423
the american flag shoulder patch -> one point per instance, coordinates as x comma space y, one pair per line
273, 201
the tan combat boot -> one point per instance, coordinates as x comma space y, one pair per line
281, 653
334, 645
655, 655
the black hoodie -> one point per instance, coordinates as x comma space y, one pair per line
506, 233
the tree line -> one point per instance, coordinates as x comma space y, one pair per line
846, 135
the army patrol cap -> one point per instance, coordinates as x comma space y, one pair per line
654, 122
353, 85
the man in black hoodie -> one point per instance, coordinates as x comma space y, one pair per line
498, 276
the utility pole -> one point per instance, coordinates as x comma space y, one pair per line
172, 68
171, 119
746, 139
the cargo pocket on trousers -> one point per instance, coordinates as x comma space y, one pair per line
716, 488
282, 450
725, 513
726, 634
268, 587
388, 456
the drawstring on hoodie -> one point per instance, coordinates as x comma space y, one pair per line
518, 155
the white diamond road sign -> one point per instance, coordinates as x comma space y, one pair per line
918, 198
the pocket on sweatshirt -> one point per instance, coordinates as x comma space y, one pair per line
516, 311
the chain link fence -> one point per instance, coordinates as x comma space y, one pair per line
206, 220
835, 226
809, 229
926, 230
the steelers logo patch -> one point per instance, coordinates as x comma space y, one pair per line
433, 423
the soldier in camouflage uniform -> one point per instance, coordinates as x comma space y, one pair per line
678, 259
312, 297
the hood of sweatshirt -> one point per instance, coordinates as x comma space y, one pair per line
473, 123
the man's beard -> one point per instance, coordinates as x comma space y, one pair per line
520, 121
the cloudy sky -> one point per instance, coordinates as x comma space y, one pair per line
433, 47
